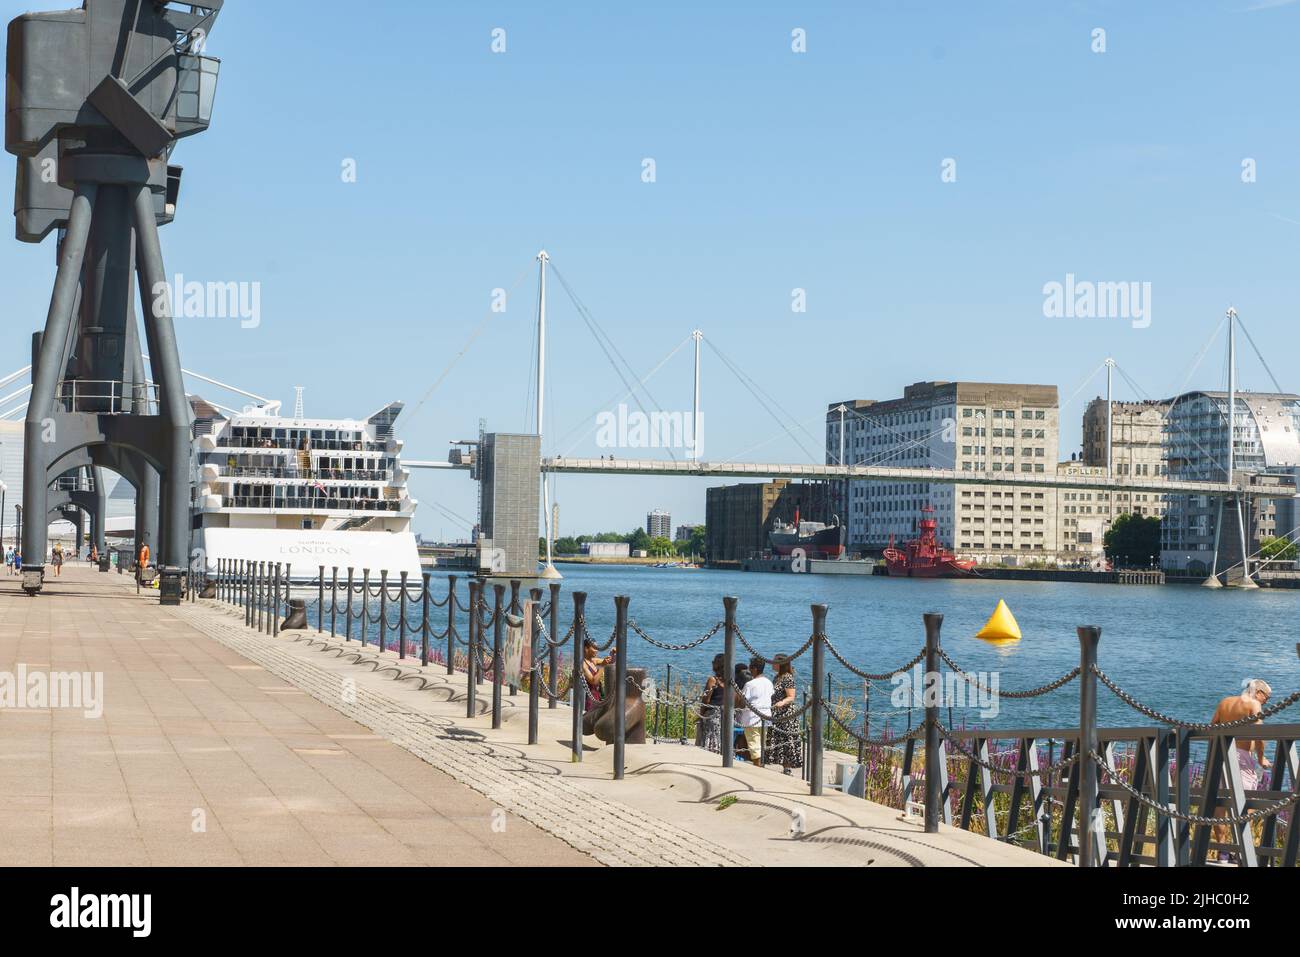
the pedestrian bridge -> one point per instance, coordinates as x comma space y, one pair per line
883, 473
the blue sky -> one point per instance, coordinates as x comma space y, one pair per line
775, 170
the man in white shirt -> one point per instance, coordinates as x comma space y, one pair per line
757, 693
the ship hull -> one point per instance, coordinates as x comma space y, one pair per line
827, 543
950, 569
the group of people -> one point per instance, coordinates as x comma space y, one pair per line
765, 735
14, 559
765, 732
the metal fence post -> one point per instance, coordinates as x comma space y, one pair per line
728, 679
275, 605
471, 666
246, 587
534, 672
515, 609
365, 607
576, 692
498, 623
320, 603
401, 620
1092, 834
930, 697
554, 701
451, 624
1183, 796
818, 678
260, 591
424, 622
383, 607
347, 619
668, 709
334, 601
620, 685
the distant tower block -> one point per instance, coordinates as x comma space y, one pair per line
299, 413
509, 475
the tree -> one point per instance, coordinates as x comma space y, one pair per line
1133, 540
1278, 549
639, 540
661, 546
567, 546
697, 540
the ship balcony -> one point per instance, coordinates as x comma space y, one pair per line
294, 473
320, 504
269, 442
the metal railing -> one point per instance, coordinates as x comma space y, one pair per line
313, 503
273, 444
1166, 795
294, 472
105, 397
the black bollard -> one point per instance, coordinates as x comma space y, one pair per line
934, 770
534, 673
275, 604
818, 677
424, 622
347, 619
576, 692
471, 668
620, 685
728, 678
320, 603
365, 607
1092, 826
514, 610
401, 620
451, 624
554, 700
334, 601
498, 624
383, 608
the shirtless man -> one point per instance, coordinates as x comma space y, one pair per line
1250, 702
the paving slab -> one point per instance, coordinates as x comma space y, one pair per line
202, 757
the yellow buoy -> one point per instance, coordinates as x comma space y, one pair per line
1001, 626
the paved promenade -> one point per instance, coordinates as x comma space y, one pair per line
203, 757
305, 749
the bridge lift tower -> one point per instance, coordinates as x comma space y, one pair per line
96, 101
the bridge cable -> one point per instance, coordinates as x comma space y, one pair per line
478, 331
1260, 355
755, 392
607, 345
618, 398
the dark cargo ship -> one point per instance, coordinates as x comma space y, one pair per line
814, 539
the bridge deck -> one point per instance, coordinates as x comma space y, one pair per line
884, 473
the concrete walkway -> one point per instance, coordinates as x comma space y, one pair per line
666, 811
203, 757
309, 749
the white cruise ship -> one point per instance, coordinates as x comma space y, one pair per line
303, 492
